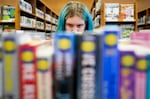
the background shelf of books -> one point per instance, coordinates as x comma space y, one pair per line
121, 14
27, 15
144, 19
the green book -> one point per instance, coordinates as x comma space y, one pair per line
8, 13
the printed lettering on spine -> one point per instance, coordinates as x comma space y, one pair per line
64, 65
88, 67
28, 79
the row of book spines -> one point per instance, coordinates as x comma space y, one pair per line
87, 43
27, 74
111, 74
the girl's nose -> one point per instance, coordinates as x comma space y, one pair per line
74, 29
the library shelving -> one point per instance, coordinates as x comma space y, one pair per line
121, 13
144, 19
30, 15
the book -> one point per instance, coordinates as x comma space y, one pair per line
28, 71
1, 72
127, 68
44, 72
8, 13
140, 75
111, 11
10, 69
110, 63
88, 68
127, 12
64, 64
148, 78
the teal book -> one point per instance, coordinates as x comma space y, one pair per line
148, 78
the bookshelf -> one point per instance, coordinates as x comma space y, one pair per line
31, 15
121, 13
144, 19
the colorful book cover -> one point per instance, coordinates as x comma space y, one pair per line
140, 76
64, 64
110, 63
127, 68
44, 72
88, 68
8, 13
127, 12
28, 79
10, 63
111, 11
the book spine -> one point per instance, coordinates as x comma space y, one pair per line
88, 72
10, 63
28, 80
1, 73
148, 78
127, 68
64, 58
110, 63
44, 74
140, 77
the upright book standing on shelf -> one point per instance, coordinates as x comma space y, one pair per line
110, 63
10, 63
127, 12
111, 11
8, 13
28, 71
64, 64
88, 68
1, 73
44, 71
127, 68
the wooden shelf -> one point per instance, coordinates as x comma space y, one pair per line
27, 12
144, 19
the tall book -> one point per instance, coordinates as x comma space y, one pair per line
10, 63
1, 73
141, 74
148, 78
28, 71
88, 68
8, 13
111, 11
44, 71
110, 63
127, 12
127, 68
64, 64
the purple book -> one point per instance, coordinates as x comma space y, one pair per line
127, 65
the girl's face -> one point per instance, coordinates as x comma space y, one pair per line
75, 24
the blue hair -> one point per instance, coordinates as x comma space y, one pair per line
73, 7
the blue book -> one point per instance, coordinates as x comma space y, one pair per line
110, 63
64, 64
